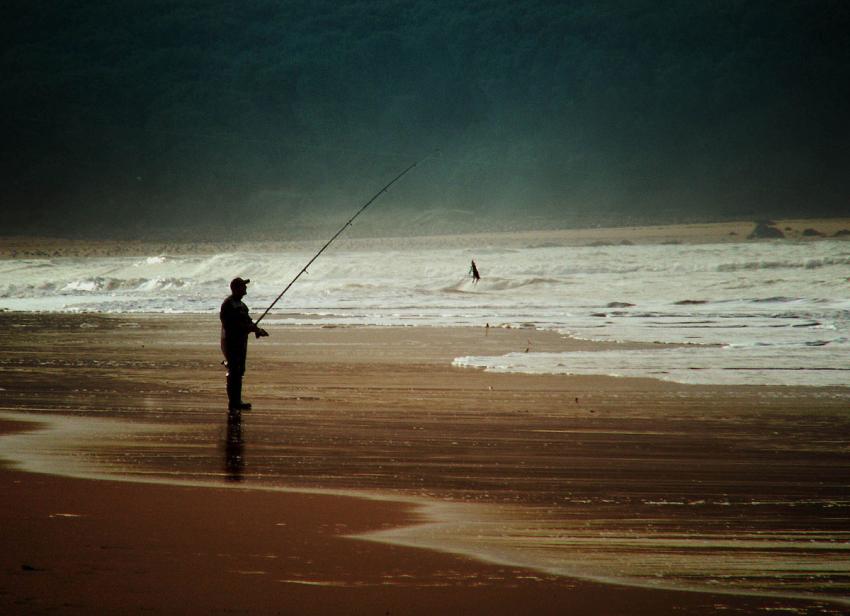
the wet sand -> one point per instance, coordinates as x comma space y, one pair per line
588, 461
75, 546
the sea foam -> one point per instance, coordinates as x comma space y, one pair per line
756, 313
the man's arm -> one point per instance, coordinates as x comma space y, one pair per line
259, 332
235, 317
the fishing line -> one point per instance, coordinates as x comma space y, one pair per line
338, 233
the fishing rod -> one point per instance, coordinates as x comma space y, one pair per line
336, 235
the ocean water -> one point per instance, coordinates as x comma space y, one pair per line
586, 500
773, 312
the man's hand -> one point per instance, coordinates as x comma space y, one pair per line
261, 333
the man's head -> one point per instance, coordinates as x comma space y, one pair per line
239, 286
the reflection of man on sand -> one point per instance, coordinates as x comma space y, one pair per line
474, 272
234, 462
236, 324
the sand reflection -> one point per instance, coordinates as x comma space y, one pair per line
234, 448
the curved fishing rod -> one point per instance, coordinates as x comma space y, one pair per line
336, 235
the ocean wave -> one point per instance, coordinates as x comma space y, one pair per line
641, 294
361, 286
508, 284
157, 260
795, 364
100, 284
93, 285
500, 284
802, 263
777, 299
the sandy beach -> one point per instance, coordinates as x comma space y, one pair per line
141, 495
551, 304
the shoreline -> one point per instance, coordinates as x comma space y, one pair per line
378, 409
400, 515
677, 233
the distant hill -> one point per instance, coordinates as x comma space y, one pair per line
154, 118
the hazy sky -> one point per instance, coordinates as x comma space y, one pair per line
198, 119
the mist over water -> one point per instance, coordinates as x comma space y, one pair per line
749, 313
265, 119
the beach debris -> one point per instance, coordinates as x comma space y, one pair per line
765, 229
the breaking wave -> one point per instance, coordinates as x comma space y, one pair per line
716, 295
93, 285
814, 263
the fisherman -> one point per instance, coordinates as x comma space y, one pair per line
236, 324
474, 271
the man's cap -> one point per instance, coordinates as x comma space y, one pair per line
239, 282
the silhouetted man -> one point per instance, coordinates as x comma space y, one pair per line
236, 324
473, 271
